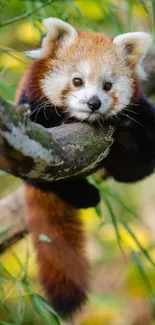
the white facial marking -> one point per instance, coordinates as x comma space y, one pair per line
84, 68
107, 74
79, 99
54, 84
76, 100
123, 90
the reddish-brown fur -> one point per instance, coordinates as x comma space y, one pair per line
63, 267
31, 79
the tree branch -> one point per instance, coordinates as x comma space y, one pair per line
24, 16
28, 150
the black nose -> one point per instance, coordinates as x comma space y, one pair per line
94, 103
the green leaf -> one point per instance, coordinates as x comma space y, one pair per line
143, 250
153, 7
2, 173
12, 315
107, 300
49, 308
108, 191
115, 7
4, 230
37, 304
44, 238
6, 323
114, 221
112, 18
21, 302
143, 274
7, 91
74, 6
144, 5
5, 273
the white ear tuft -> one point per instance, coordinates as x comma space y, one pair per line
133, 47
57, 30
136, 44
57, 27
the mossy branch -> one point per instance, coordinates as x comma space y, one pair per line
28, 150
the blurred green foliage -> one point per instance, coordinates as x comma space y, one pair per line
122, 238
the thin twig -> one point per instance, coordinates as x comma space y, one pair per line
26, 15
9, 51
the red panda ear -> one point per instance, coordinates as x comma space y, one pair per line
133, 47
56, 30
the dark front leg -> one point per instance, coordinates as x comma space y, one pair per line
132, 156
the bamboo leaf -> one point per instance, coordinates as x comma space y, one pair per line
12, 315
37, 304
142, 272
49, 308
143, 250
109, 192
114, 222
4, 230
21, 302
43, 238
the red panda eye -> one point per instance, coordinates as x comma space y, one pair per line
107, 86
77, 82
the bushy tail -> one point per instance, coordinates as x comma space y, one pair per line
63, 267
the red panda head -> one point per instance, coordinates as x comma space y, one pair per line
89, 76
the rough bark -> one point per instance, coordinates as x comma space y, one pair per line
28, 150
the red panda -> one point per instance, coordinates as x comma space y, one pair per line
88, 77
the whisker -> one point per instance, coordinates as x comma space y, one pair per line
44, 110
73, 95
100, 124
133, 104
35, 120
115, 115
133, 119
129, 110
57, 111
37, 111
31, 113
80, 100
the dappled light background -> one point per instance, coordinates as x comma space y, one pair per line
121, 231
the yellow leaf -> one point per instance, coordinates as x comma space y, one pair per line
89, 218
20, 253
28, 33
108, 234
13, 60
